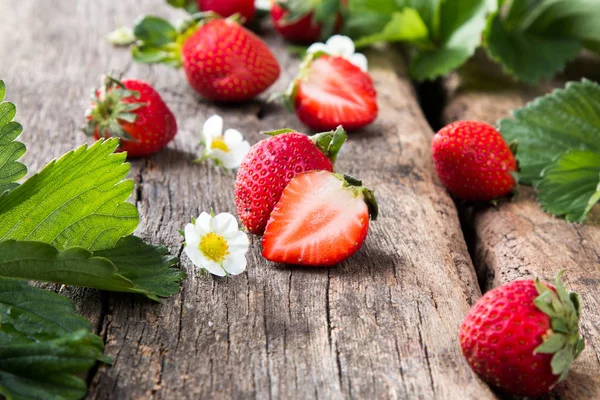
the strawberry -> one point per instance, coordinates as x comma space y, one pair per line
134, 112
321, 220
331, 91
227, 8
523, 336
304, 21
473, 161
223, 61
272, 163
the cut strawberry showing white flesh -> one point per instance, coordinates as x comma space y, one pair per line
321, 219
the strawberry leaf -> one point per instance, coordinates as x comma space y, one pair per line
405, 26
190, 6
570, 187
552, 125
10, 150
76, 201
43, 344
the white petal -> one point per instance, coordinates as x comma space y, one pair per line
360, 61
236, 155
214, 268
213, 127
317, 47
232, 137
225, 224
195, 255
235, 264
340, 45
203, 224
238, 243
226, 158
191, 236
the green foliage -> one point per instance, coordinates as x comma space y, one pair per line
558, 138
10, 150
190, 6
43, 344
157, 41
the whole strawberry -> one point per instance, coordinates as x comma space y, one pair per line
473, 161
523, 336
227, 8
321, 220
302, 21
223, 61
135, 113
272, 163
331, 91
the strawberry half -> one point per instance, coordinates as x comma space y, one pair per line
321, 220
331, 91
523, 336
473, 161
303, 21
272, 163
222, 60
134, 112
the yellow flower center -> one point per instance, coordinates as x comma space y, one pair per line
214, 247
219, 143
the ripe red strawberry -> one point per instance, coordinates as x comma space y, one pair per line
331, 91
473, 161
222, 60
296, 20
321, 220
272, 163
523, 336
134, 112
227, 8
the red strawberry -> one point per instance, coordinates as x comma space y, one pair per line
227, 8
473, 161
222, 60
272, 163
331, 91
321, 220
295, 20
523, 336
134, 112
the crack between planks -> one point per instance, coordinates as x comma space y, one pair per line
268, 369
424, 347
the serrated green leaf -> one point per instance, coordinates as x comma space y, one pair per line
405, 26
148, 267
76, 201
131, 266
10, 150
43, 344
554, 343
570, 187
552, 125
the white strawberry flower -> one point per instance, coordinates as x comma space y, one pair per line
263, 5
227, 149
340, 46
216, 244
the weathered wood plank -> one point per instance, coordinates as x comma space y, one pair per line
382, 325
517, 239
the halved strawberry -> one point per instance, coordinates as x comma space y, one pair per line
331, 91
321, 219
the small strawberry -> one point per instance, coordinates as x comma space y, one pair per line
523, 336
473, 161
272, 163
222, 60
134, 112
227, 8
303, 21
321, 220
331, 91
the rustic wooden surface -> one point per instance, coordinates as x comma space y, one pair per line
382, 325
517, 239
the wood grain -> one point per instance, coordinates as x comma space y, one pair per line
382, 325
517, 239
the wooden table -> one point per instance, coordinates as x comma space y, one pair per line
381, 325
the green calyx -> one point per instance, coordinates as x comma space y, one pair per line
564, 339
368, 195
157, 41
109, 110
